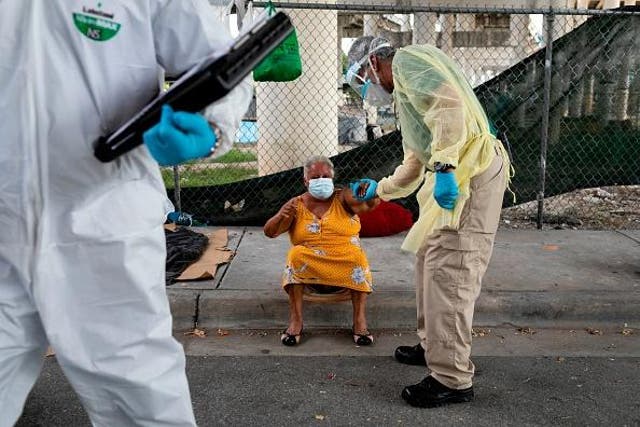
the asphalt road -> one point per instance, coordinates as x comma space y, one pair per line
365, 390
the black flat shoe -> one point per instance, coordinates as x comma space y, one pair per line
429, 393
411, 355
290, 340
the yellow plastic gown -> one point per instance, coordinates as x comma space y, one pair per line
441, 121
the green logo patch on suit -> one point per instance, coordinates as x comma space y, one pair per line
96, 24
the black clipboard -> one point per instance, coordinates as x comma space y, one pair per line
205, 83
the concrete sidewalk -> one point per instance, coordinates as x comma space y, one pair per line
536, 278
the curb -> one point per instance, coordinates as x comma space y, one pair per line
260, 309
184, 307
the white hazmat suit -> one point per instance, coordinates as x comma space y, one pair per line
82, 247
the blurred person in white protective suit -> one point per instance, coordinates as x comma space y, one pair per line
462, 171
82, 248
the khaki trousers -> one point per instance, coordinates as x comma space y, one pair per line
449, 271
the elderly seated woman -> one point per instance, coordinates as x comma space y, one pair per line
323, 227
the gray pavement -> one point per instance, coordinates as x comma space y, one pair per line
363, 391
524, 377
537, 278
588, 340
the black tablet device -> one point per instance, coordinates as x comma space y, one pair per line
210, 80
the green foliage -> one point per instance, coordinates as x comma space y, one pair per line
200, 177
236, 156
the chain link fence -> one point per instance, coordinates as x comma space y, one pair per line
561, 86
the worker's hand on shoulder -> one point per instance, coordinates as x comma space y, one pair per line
364, 189
446, 190
180, 136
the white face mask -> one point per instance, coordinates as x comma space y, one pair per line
321, 188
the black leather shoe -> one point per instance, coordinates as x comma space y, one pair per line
410, 355
429, 393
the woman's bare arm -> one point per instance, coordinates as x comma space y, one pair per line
281, 222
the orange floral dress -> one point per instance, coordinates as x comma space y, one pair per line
327, 250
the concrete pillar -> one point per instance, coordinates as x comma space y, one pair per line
621, 93
633, 100
576, 101
370, 25
300, 118
562, 25
520, 36
603, 95
465, 22
610, 4
587, 94
424, 28
555, 123
633, 106
445, 41
560, 80
523, 112
405, 35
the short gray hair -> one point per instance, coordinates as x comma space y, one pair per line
361, 48
317, 159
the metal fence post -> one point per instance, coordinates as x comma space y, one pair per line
544, 134
176, 188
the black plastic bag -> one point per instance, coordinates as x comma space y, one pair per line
184, 247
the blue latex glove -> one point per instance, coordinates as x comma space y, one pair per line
180, 218
180, 136
446, 190
364, 189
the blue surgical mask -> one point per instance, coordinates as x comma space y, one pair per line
373, 92
321, 188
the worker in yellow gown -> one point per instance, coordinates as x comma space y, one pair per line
461, 171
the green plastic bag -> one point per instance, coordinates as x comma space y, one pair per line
284, 63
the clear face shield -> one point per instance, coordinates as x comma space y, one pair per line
354, 79
369, 91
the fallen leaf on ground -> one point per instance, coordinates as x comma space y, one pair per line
594, 331
320, 417
331, 375
526, 331
200, 333
550, 247
480, 332
222, 332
